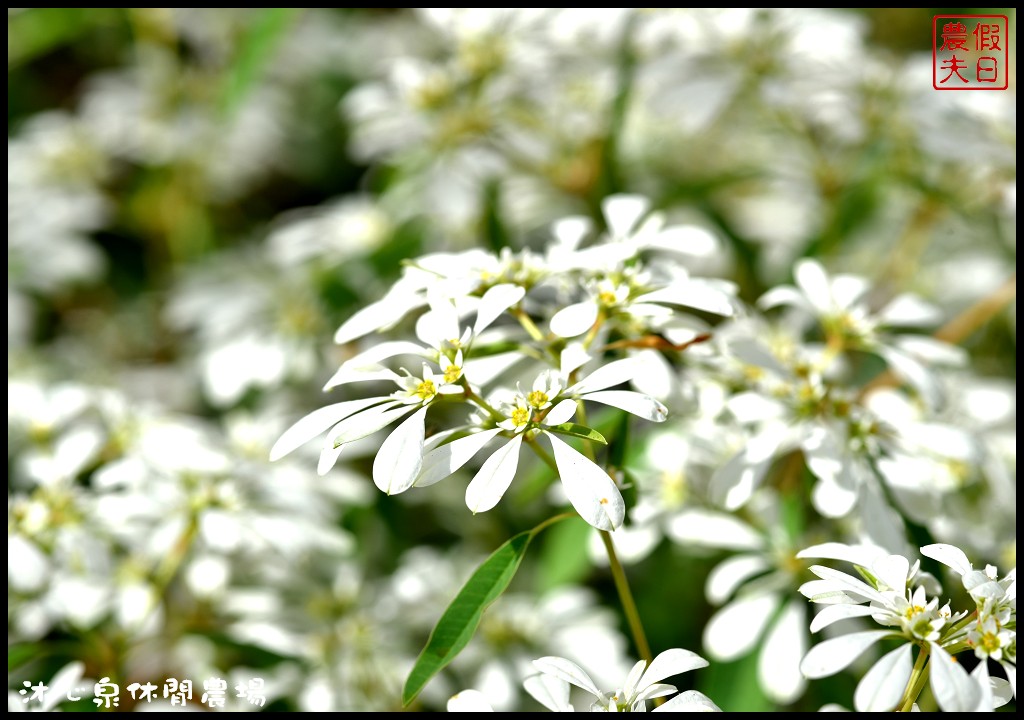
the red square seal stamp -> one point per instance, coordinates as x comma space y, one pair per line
970, 52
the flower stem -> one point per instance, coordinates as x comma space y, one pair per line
528, 324
918, 677
964, 324
626, 598
618, 575
479, 401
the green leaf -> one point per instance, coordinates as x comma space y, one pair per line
21, 653
560, 561
459, 622
254, 52
580, 431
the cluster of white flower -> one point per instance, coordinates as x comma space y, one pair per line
623, 299
894, 593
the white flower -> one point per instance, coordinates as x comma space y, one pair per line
642, 684
751, 588
888, 600
839, 304
989, 640
595, 386
589, 488
628, 293
400, 459
469, 701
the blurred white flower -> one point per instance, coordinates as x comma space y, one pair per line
642, 684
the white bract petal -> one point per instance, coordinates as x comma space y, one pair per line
650, 692
27, 565
950, 556
713, 529
357, 427
684, 239
981, 678
825, 592
784, 295
863, 555
400, 457
315, 423
909, 310
689, 701
348, 376
494, 477
61, 685
633, 678
834, 613
575, 319
668, 664
550, 691
849, 584
328, 458
568, 671
914, 373
953, 688
369, 358
829, 657
561, 413
881, 689
573, 357
439, 326
892, 570
622, 212
729, 574
632, 402
610, 375
734, 630
495, 301
812, 279
379, 315
441, 462
778, 666
469, 701
589, 488
692, 294
363, 424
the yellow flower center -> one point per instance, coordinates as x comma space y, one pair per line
537, 398
520, 416
912, 611
426, 390
452, 373
989, 642
607, 297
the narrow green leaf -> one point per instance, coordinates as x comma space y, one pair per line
254, 52
580, 431
459, 622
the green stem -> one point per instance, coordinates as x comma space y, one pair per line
629, 608
918, 677
479, 401
626, 598
528, 324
